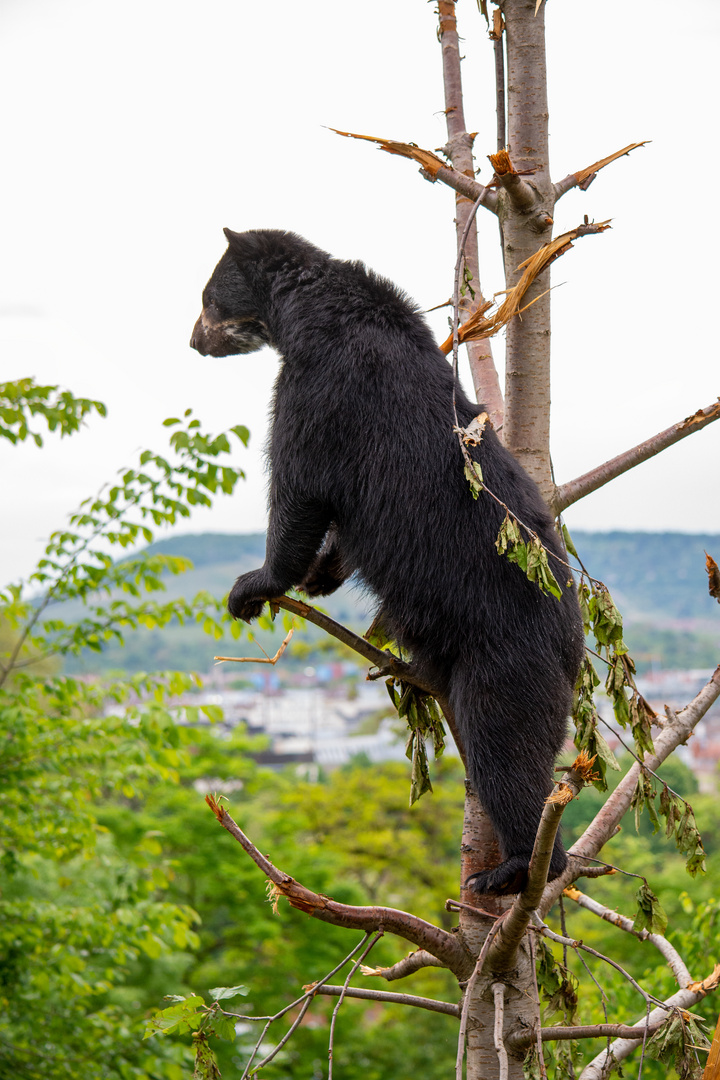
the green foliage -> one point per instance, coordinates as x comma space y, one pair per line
83, 927
23, 399
650, 915
679, 819
557, 985
424, 721
587, 733
531, 556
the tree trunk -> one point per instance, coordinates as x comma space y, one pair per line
526, 211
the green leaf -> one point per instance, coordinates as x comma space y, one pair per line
182, 1017
650, 915
222, 993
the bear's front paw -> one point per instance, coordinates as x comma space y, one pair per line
248, 596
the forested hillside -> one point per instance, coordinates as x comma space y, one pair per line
657, 579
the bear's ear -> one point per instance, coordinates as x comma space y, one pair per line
247, 246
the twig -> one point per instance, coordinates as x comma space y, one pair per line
661, 943
538, 1026
577, 944
498, 990
439, 942
446, 1007
258, 659
341, 996
306, 998
574, 490
644, 1040
415, 961
468, 995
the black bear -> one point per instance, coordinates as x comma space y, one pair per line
367, 478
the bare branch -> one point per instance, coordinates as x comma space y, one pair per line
522, 1040
430, 1004
516, 921
341, 997
385, 662
661, 943
409, 964
498, 990
303, 1001
443, 945
574, 490
573, 944
433, 168
599, 1067
459, 150
618, 803
584, 178
496, 36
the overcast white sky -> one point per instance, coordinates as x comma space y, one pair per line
133, 133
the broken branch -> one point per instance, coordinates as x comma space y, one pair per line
477, 326
409, 964
584, 177
574, 490
432, 167
521, 194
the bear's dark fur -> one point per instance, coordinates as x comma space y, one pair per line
367, 477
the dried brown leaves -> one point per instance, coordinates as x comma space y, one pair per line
713, 573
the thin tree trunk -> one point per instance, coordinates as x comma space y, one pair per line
526, 219
459, 149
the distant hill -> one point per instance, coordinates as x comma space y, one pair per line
653, 574
658, 581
